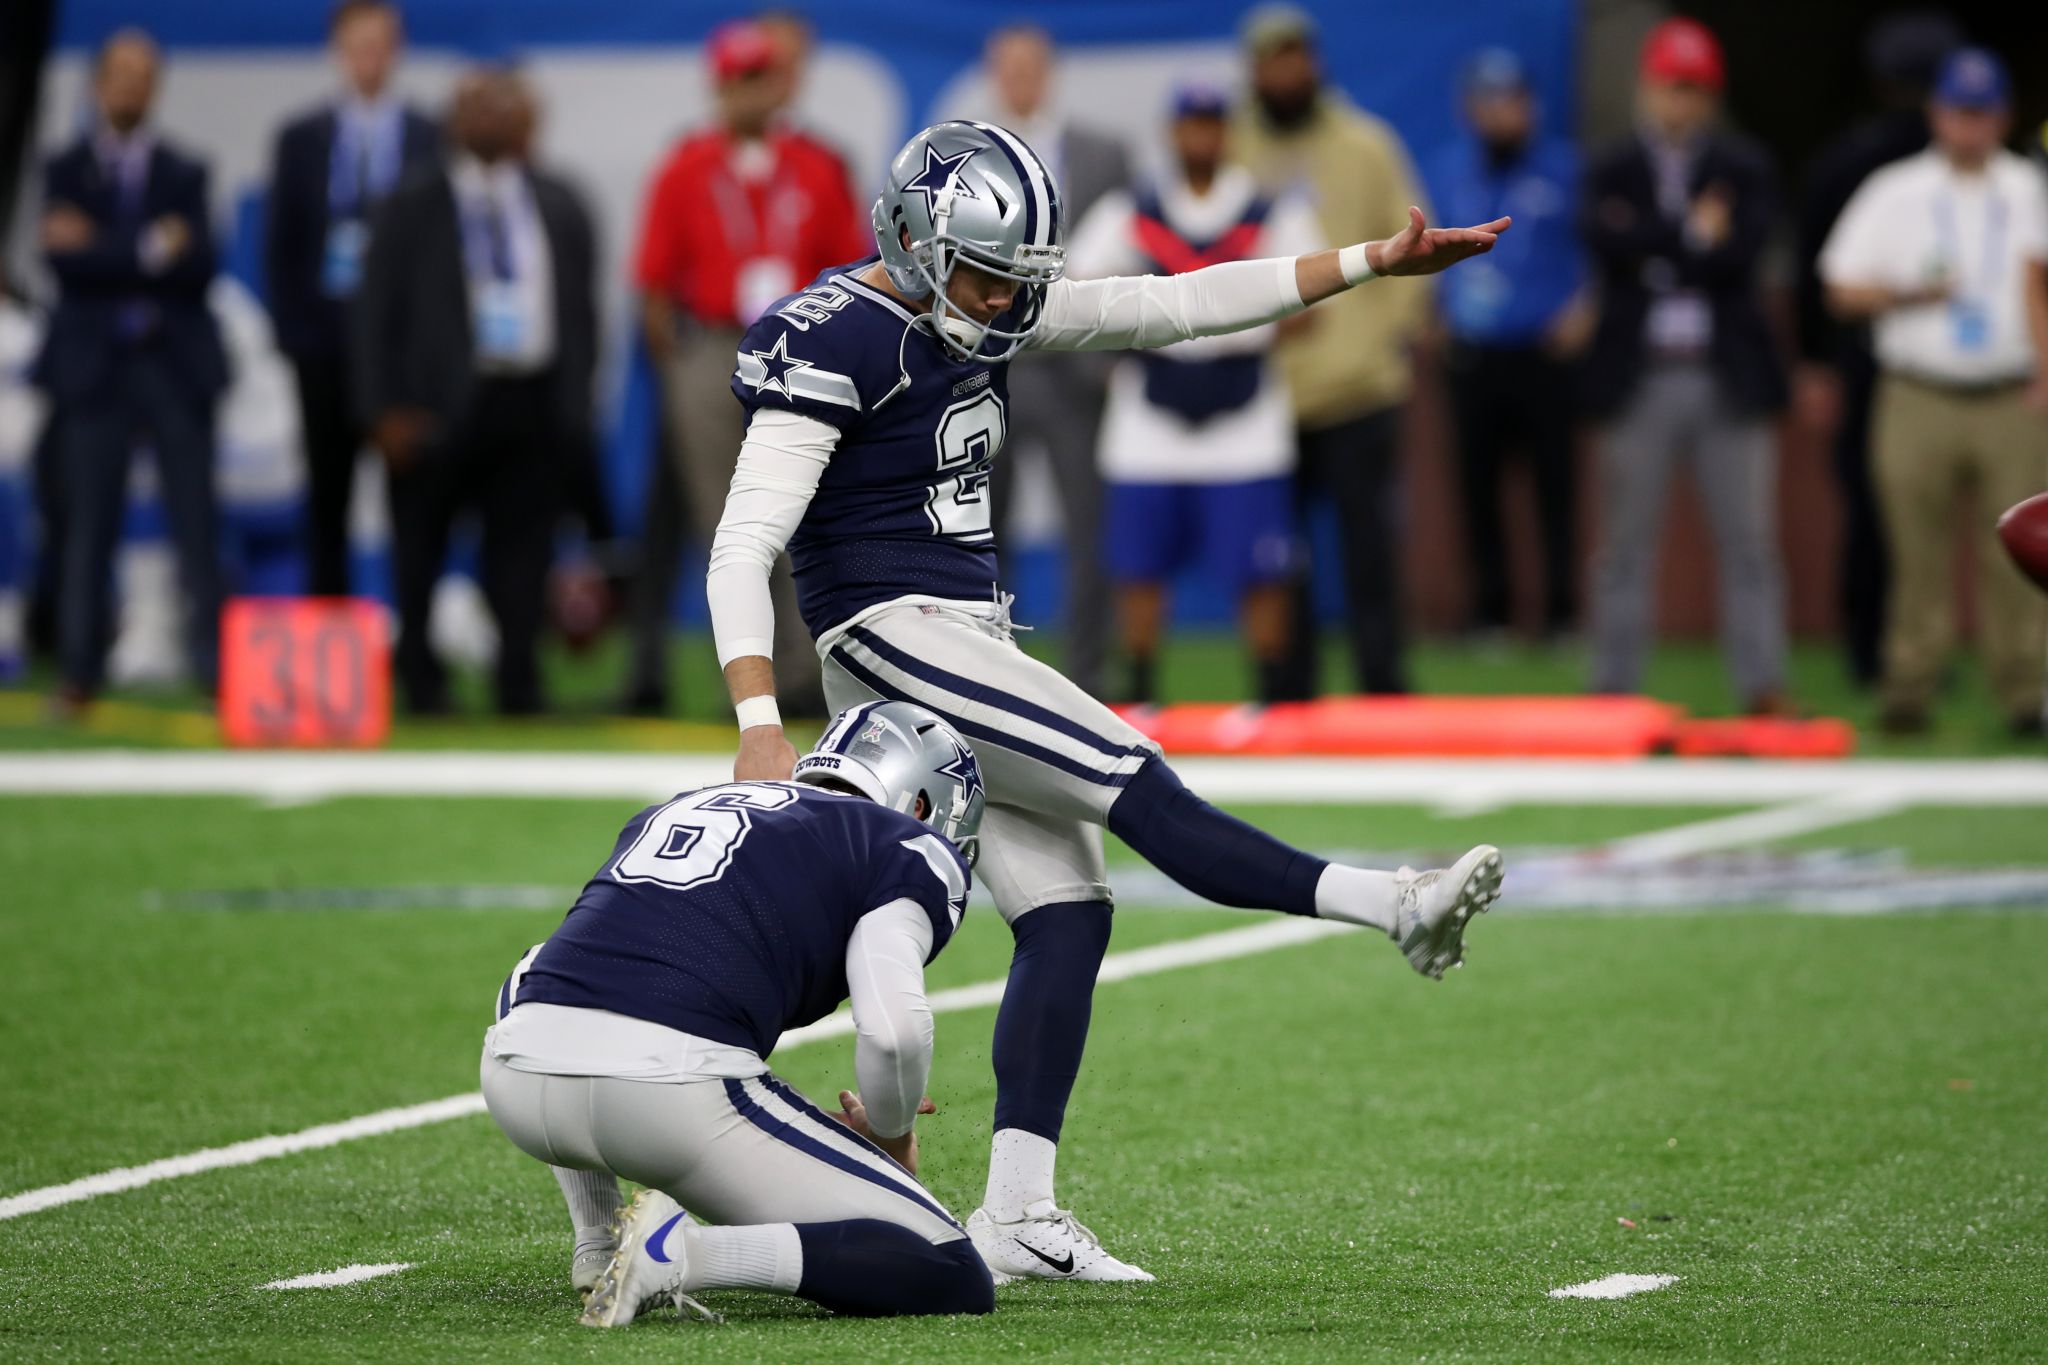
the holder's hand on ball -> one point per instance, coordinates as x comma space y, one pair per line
903, 1150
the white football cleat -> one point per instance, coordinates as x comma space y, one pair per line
648, 1265
1436, 904
1047, 1244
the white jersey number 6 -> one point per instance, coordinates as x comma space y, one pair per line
692, 839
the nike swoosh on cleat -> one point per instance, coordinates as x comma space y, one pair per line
653, 1243
1065, 1265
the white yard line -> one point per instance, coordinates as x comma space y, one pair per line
240, 1154
333, 1279
1447, 784
1231, 943
1614, 1287
1749, 828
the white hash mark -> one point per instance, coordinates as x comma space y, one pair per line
348, 1274
1614, 1287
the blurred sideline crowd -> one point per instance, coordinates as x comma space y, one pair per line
435, 291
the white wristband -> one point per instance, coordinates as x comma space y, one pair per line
757, 711
1355, 268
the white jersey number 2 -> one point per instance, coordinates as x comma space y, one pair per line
692, 839
969, 435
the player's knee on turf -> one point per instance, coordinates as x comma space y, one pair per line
968, 1287
957, 1281
872, 1267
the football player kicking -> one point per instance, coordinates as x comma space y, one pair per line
631, 1043
876, 400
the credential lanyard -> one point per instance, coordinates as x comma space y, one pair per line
1948, 236
746, 235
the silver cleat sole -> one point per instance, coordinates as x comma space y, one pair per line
588, 1269
601, 1305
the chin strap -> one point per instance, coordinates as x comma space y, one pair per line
902, 365
963, 330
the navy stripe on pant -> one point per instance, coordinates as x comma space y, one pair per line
972, 690
812, 1145
973, 730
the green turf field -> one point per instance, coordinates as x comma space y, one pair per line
1830, 1128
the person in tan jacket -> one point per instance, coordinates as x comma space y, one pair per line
1349, 374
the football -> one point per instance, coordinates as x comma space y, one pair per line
2024, 529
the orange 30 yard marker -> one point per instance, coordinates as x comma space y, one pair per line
304, 672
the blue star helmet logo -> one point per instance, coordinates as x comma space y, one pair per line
777, 365
964, 770
940, 174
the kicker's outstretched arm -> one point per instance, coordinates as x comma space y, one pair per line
1157, 310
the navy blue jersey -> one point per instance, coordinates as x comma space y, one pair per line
726, 912
903, 508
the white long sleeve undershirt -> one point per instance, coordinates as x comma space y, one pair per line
781, 460
785, 454
1125, 311
892, 1019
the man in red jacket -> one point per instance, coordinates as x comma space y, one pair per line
742, 212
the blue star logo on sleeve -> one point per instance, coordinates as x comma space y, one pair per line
940, 173
777, 365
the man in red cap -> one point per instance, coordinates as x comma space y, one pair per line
742, 212
1683, 365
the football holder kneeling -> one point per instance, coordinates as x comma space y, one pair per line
305, 672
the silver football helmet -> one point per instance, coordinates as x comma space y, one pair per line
975, 192
893, 752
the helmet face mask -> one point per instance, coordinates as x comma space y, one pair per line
957, 330
960, 822
971, 192
899, 755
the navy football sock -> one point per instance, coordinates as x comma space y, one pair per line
870, 1268
1043, 1023
1218, 857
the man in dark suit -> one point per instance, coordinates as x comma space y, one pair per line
333, 166
474, 341
1056, 397
1683, 366
132, 354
